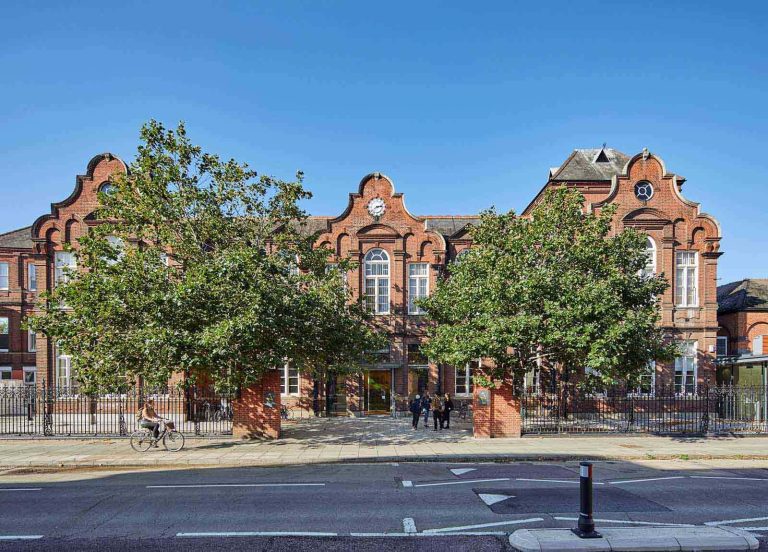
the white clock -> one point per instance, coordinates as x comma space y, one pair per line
376, 207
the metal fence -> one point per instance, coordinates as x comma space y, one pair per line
706, 410
50, 411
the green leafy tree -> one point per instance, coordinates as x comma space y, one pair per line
560, 287
193, 268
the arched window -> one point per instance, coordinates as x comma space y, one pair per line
650, 253
106, 188
377, 281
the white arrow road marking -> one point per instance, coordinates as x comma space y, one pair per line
491, 499
257, 534
407, 483
460, 482
629, 521
462, 471
480, 526
236, 485
729, 521
643, 480
409, 526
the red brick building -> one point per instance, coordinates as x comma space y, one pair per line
400, 257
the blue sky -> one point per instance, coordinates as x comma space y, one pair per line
464, 104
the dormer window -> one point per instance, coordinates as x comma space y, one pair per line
602, 157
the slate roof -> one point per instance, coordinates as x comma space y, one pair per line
750, 294
590, 165
449, 226
17, 239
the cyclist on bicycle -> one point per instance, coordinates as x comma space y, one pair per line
149, 419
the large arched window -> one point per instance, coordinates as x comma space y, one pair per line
377, 281
650, 254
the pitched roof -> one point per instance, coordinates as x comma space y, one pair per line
750, 294
17, 239
449, 226
590, 165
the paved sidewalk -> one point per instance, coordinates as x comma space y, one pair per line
374, 439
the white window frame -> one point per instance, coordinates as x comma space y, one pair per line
686, 278
418, 286
6, 370
64, 363
376, 263
32, 277
117, 244
466, 377
29, 370
285, 381
687, 370
8, 333
757, 344
651, 371
31, 341
64, 263
650, 254
721, 339
5, 279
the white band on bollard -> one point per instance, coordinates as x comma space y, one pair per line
584, 471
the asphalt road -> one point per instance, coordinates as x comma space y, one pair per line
419, 506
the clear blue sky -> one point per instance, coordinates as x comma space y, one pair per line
464, 104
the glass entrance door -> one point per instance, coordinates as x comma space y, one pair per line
377, 392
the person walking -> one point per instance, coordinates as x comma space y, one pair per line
447, 407
426, 405
415, 408
437, 413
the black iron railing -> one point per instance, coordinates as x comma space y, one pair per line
703, 410
69, 411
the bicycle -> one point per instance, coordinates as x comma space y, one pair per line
173, 441
463, 411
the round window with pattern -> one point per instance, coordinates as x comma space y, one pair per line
643, 190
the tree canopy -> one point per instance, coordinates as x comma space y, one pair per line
199, 265
559, 287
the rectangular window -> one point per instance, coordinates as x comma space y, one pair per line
4, 281
722, 346
418, 285
4, 334
416, 359
5, 373
686, 279
30, 373
31, 341
685, 368
64, 376
64, 264
32, 277
289, 380
647, 385
758, 345
464, 384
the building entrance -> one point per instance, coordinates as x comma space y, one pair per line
377, 391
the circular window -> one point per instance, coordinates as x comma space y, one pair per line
643, 190
106, 188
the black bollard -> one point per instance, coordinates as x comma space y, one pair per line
586, 525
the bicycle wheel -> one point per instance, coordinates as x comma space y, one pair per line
141, 441
173, 441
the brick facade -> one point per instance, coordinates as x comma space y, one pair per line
254, 416
604, 176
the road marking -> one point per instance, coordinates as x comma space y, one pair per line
236, 485
469, 533
257, 534
556, 481
724, 477
460, 482
491, 499
20, 537
753, 528
729, 521
644, 480
481, 525
407, 483
25, 489
629, 521
409, 526
462, 471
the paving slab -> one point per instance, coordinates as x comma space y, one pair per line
636, 539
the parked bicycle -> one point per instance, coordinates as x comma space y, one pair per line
143, 439
463, 410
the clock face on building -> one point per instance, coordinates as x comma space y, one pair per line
376, 207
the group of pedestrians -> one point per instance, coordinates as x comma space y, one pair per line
440, 407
